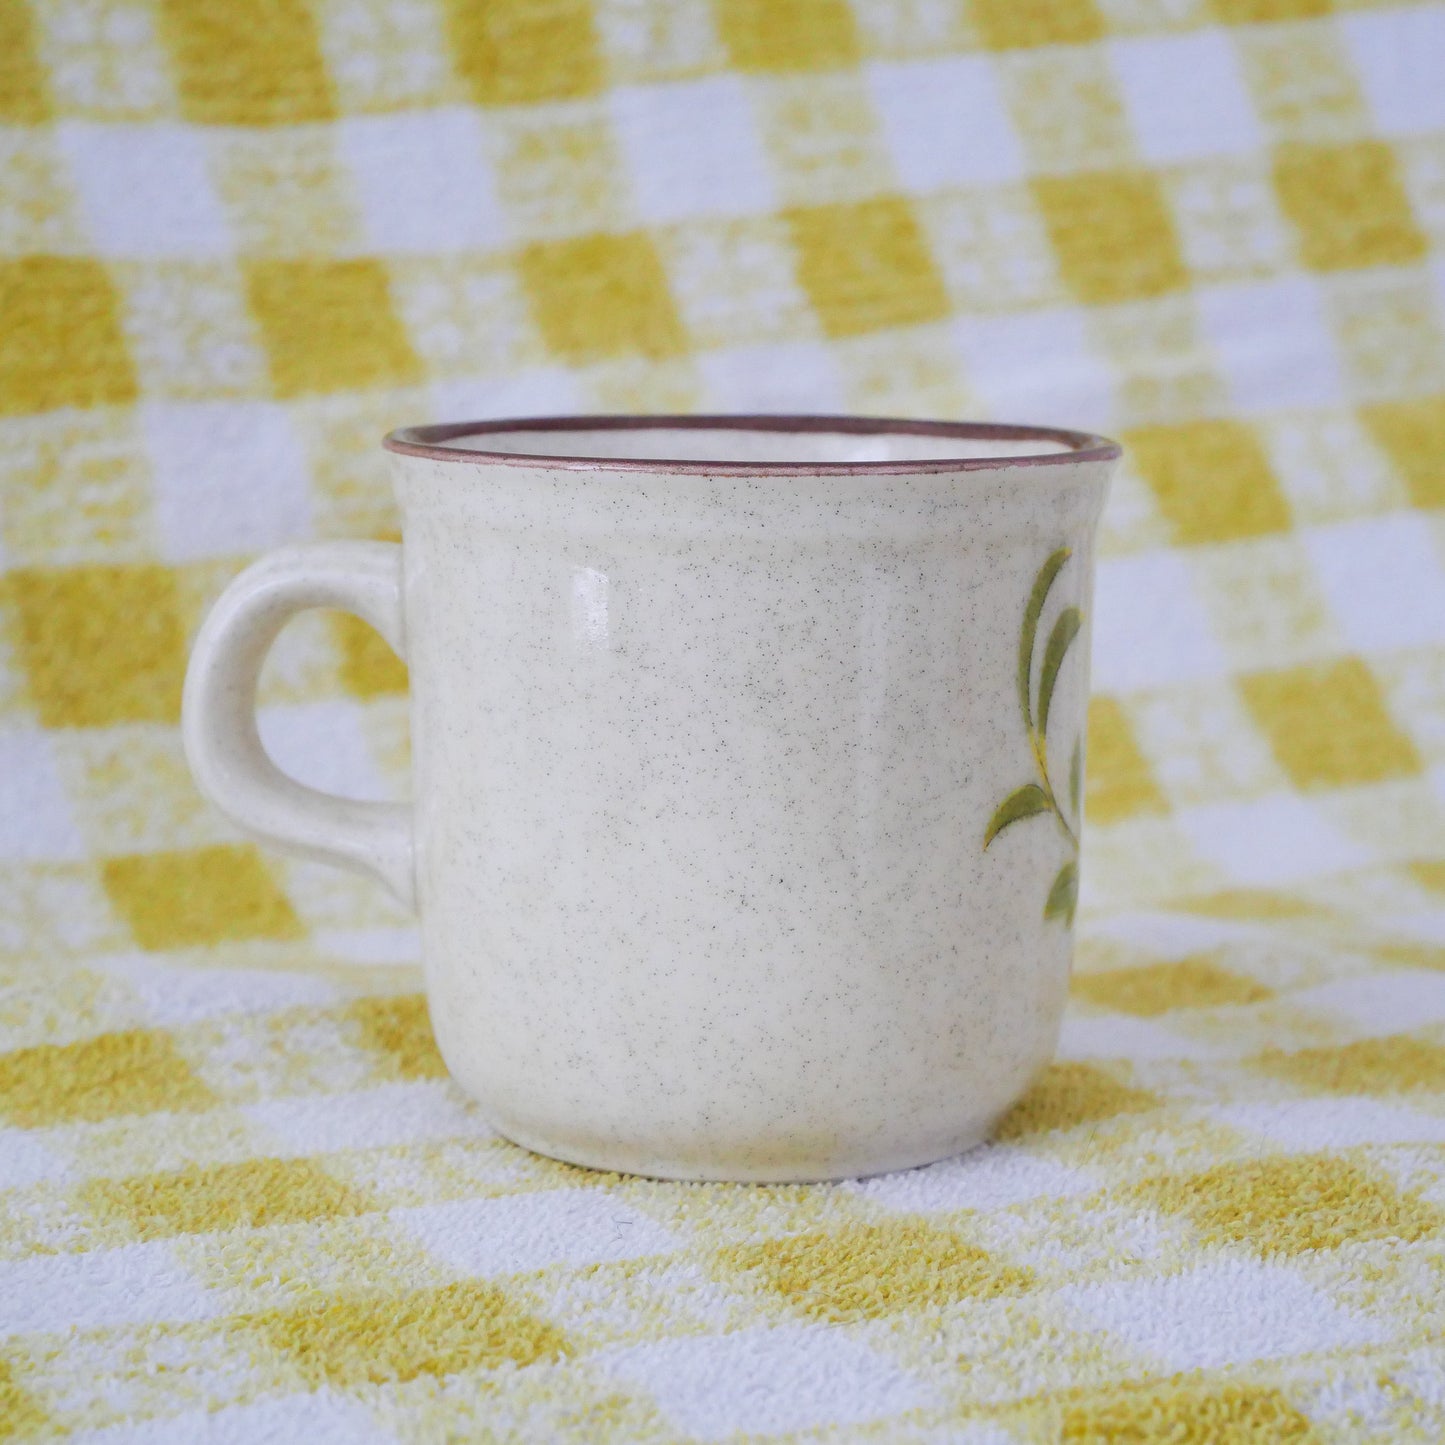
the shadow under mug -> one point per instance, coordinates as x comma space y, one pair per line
747, 772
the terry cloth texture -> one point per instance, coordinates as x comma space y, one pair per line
240, 240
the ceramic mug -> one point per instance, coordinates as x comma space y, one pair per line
747, 773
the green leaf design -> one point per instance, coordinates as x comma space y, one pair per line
1032, 613
1023, 802
1066, 629
1036, 798
1064, 895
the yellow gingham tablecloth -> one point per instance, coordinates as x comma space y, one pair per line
239, 1201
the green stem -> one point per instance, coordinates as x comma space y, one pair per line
1041, 757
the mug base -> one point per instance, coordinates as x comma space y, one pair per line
803, 1171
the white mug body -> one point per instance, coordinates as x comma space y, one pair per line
747, 761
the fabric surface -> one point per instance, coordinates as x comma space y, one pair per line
239, 1200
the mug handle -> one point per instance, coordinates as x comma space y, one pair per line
218, 708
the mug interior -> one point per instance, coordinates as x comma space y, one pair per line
763, 443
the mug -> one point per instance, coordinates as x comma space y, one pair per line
748, 758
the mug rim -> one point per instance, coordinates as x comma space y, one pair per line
431, 441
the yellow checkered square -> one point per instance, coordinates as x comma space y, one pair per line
1253, 12
132, 1071
200, 896
519, 52
1329, 726
253, 1194
62, 343
369, 667
1212, 480
1347, 206
866, 267
358, 1341
399, 1031
21, 1413
788, 35
329, 326
1224, 1411
99, 645
1112, 235
1412, 435
1070, 1094
1119, 781
1398, 1063
1196, 982
872, 1272
24, 95
602, 296
1010, 24
1291, 1206
252, 62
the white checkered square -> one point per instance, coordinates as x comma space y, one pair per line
1220, 1314
692, 150
1384, 581
516, 1233
1273, 342
1185, 96
145, 189
1150, 629
946, 123
137, 1284
422, 181
322, 744
1397, 54
994, 1177
1037, 363
530, 391
766, 1381
230, 477
37, 823
788, 376
321, 1416
1270, 842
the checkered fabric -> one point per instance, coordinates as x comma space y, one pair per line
239, 1200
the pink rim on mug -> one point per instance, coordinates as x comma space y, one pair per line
431, 442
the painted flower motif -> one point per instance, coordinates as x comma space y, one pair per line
1039, 797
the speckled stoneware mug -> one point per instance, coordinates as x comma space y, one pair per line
748, 757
